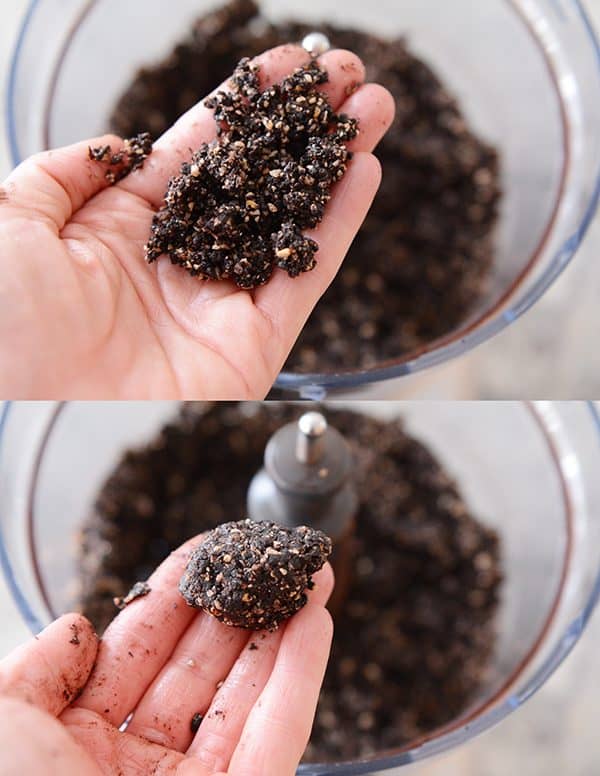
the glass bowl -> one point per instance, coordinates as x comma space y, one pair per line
529, 471
525, 71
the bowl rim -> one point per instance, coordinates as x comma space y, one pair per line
452, 735
469, 335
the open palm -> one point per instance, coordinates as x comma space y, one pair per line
83, 316
161, 660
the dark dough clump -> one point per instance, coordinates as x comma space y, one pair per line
195, 722
239, 207
415, 634
139, 590
419, 266
121, 163
254, 574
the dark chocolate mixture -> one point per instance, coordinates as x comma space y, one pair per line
129, 158
419, 265
413, 640
139, 590
254, 575
239, 207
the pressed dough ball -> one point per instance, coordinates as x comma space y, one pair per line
254, 574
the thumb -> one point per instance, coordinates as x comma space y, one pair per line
32, 742
51, 670
55, 184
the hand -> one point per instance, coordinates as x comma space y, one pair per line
83, 316
64, 696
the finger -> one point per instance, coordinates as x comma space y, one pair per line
287, 303
375, 109
286, 708
137, 643
197, 126
119, 753
51, 670
55, 184
187, 683
346, 73
222, 727
224, 721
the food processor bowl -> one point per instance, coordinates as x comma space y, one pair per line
528, 471
526, 73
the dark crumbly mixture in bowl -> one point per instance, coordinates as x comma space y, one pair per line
415, 635
418, 267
